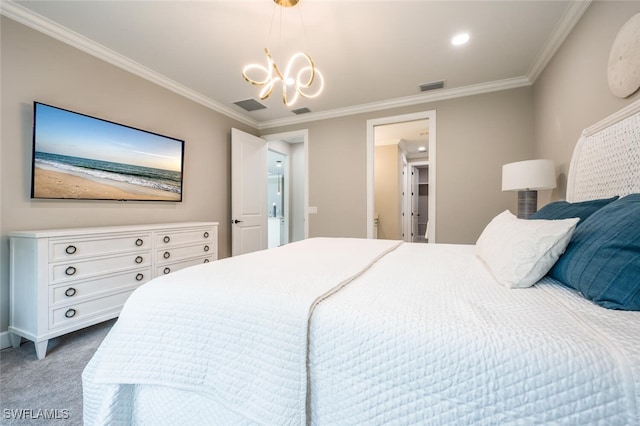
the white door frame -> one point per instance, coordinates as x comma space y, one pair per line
431, 116
405, 205
296, 134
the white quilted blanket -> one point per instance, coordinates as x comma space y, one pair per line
427, 336
235, 330
423, 336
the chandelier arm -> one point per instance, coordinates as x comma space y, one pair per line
267, 90
319, 80
273, 64
312, 67
287, 102
248, 79
292, 62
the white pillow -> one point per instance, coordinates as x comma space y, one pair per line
519, 252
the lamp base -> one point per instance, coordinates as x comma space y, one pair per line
527, 203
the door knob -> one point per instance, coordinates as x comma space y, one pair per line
236, 221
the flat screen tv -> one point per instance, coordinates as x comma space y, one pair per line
76, 156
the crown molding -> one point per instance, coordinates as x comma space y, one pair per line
442, 94
20, 14
568, 20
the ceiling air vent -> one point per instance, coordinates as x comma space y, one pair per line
302, 110
250, 105
424, 87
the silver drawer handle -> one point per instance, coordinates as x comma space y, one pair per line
166, 255
70, 292
139, 277
139, 259
70, 270
206, 234
139, 242
70, 249
70, 313
167, 270
206, 248
166, 239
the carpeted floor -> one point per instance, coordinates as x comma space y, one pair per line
53, 383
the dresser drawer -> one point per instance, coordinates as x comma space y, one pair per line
72, 271
65, 249
79, 291
172, 267
174, 238
171, 255
74, 313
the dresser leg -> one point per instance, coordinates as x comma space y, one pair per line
41, 349
15, 340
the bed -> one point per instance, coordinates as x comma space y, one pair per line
354, 331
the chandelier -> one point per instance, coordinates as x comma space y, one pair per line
300, 77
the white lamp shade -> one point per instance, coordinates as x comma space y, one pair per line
529, 175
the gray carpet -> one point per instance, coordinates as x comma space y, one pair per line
53, 383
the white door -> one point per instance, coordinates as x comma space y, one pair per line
248, 193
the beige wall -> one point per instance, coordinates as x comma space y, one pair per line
387, 192
37, 67
476, 135
572, 92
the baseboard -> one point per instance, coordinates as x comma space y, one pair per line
5, 341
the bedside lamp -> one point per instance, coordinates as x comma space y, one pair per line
527, 177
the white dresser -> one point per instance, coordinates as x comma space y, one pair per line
66, 279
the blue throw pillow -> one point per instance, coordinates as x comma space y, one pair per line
564, 210
602, 261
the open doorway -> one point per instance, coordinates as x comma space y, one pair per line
418, 183
290, 180
401, 177
277, 199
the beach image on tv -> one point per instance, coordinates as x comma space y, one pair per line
81, 157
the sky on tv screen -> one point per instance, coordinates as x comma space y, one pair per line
66, 133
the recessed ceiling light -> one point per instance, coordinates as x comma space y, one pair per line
422, 149
460, 39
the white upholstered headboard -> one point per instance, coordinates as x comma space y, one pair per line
606, 159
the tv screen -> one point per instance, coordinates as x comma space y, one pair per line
76, 156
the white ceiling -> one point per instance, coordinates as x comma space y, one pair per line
409, 135
373, 54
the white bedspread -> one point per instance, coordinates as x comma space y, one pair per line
422, 336
235, 330
427, 336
